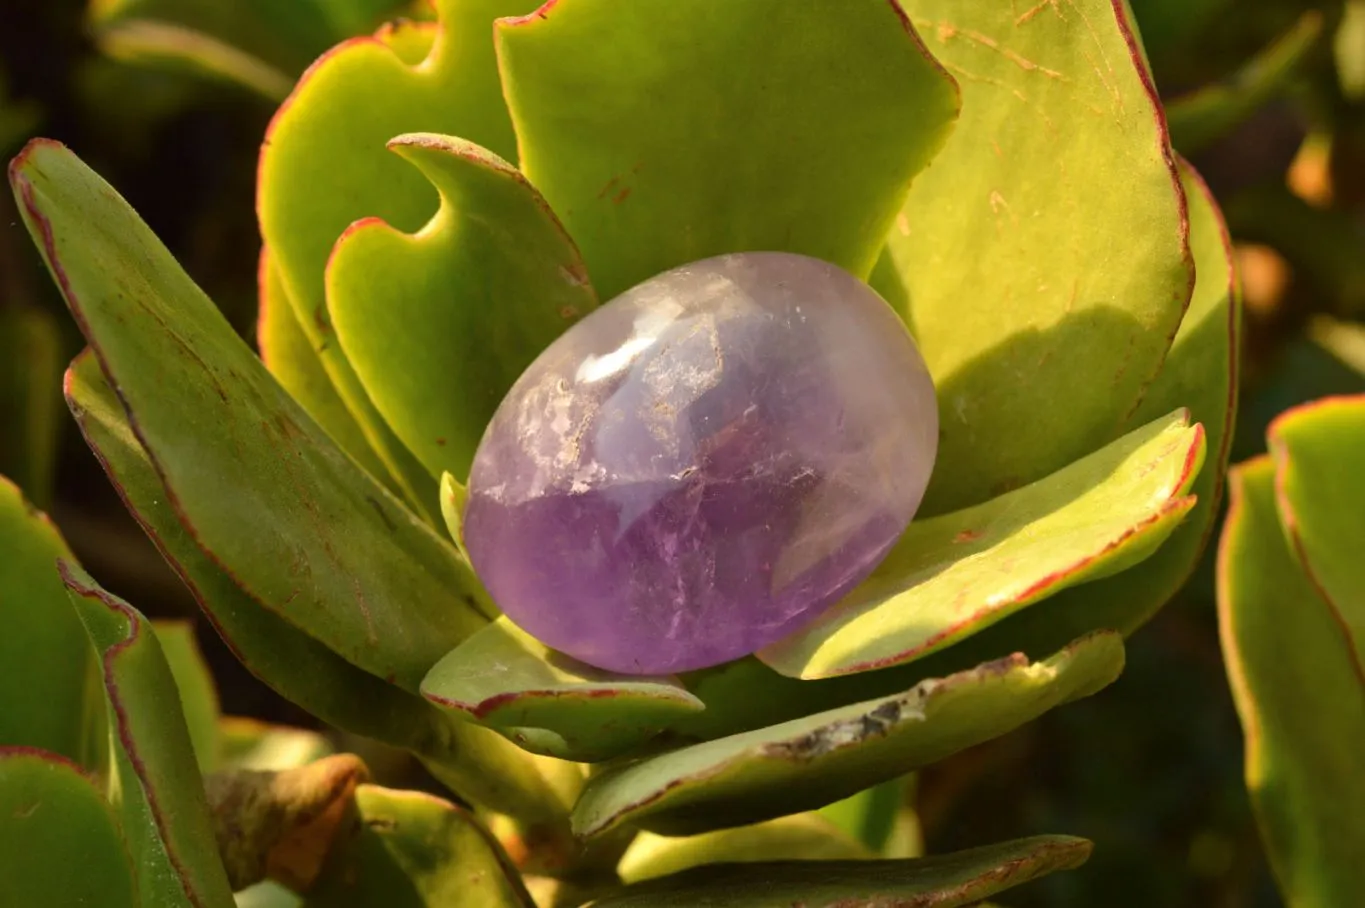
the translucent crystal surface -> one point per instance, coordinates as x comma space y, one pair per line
703, 464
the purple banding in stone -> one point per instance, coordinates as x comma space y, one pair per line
703, 465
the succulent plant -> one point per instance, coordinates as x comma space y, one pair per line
1291, 599
438, 204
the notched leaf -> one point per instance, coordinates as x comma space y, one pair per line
465, 303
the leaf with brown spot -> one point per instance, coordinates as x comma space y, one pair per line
817, 760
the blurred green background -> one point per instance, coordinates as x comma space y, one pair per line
1267, 97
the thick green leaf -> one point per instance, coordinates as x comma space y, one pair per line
260, 487
663, 133
60, 843
1200, 373
1041, 262
801, 837
950, 576
198, 693
810, 762
942, 881
291, 358
1301, 696
30, 374
479, 764
549, 703
411, 850
49, 681
1207, 114
304, 207
249, 744
156, 786
465, 304
1318, 450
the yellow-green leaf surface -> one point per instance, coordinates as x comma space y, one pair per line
160, 793
1041, 262
482, 766
49, 683
800, 837
663, 133
60, 845
1200, 373
465, 304
291, 358
30, 374
1319, 452
1300, 693
950, 576
343, 112
412, 850
810, 762
198, 693
504, 678
942, 881
259, 486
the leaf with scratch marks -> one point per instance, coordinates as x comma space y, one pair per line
1059, 248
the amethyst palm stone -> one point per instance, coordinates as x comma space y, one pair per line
702, 465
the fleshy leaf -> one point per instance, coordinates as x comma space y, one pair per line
549, 703
465, 304
411, 850
1046, 243
1207, 114
1318, 450
810, 762
290, 357
60, 843
1300, 692
259, 486
304, 208
950, 576
49, 681
1200, 373
30, 371
663, 133
477, 763
161, 793
942, 881
801, 837
194, 681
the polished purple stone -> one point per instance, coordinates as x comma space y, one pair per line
703, 464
